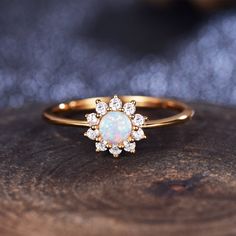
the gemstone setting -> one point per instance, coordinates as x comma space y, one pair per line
138, 120
101, 146
129, 108
115, 151
92, 119
92, 134
115, 103
101, 108
115, 128
129, 147
138, 134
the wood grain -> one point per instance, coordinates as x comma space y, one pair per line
182, 181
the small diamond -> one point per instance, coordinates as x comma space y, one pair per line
92, 134
92, 119
115, 151
101, 146
115, 104
129, 108
101, 108
138, 135
138, 120
129, 147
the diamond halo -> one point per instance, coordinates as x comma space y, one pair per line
115, 126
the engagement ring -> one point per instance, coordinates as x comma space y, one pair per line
115, 125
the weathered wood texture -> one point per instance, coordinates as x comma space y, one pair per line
182, 181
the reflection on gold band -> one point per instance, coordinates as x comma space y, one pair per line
53, 114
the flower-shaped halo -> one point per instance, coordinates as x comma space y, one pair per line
115, 126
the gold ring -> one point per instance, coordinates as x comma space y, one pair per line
115, 125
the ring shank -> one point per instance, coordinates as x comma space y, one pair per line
185, 112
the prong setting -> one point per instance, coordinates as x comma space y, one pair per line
119, 113
135, 128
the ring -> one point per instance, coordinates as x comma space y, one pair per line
115, 125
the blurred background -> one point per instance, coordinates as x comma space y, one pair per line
53, 50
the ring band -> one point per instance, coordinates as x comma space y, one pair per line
115, 126
186, 112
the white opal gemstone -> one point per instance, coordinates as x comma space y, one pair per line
115, 127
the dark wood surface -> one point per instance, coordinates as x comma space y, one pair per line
182, 181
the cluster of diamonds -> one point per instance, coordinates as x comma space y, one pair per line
136, 120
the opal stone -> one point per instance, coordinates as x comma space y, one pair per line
115, 127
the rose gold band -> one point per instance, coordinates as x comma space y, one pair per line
54, 114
